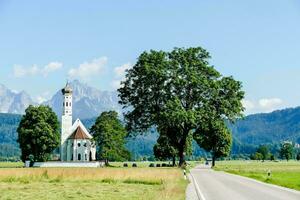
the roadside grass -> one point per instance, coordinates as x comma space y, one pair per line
286, 174
92, 183
11, 164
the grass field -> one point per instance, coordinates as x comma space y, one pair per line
91, 183
283, 173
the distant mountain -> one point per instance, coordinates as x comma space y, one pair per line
88, 102
8, 135
271, 127
13, 102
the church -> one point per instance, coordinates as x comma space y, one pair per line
76, 142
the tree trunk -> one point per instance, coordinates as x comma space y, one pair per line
213, 161
174, 160
181, 157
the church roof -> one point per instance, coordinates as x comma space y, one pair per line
78, 134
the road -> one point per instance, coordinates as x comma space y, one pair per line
215, 185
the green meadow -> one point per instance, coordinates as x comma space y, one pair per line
91, 183
286, 174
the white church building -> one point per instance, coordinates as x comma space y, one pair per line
76, 142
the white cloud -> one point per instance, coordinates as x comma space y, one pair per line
120, 71
262, 105
21, 71
120, 75
270, 104
247, 104
42, 97
51, 67
88, 69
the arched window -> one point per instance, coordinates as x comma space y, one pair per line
85, 156
63, 104
70, 104
66, 104
79, 156
78, 144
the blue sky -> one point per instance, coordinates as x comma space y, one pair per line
43, 43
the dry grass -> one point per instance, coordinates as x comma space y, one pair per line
92, 183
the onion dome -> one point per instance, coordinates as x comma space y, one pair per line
67, 89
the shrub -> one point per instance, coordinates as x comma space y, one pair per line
125, 165
157, 165
151, 165
134, 165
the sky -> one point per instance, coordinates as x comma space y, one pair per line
45, 43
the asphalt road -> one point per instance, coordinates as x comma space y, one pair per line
214, 185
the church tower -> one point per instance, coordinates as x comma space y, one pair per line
66, 121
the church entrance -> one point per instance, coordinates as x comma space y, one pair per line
90, 156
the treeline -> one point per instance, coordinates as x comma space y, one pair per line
285, 151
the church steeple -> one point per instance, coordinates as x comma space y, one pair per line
67, 104
66, 122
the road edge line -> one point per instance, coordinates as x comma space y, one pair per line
198, 191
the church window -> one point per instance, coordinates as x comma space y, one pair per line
79, 144
63, 104
84, 144
79, 156
85, 156
67, 104
70, 104
72, 157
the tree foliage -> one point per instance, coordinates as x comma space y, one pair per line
109, 134
164, 150
214, 137
264, 150
174, 90
286, 151
38, 133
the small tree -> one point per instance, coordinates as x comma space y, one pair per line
38, 133
286, 151
214, 137
264, 150
109, 135
298, 156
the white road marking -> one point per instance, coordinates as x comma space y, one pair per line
199, 193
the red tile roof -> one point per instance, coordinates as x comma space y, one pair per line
79, 134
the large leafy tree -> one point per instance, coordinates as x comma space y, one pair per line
38, 133
172, 91
109, 134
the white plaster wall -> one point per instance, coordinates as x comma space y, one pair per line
68, 164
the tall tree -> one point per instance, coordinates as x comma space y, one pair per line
109, 134
174, 90
286, 151
214, 136
38, 133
